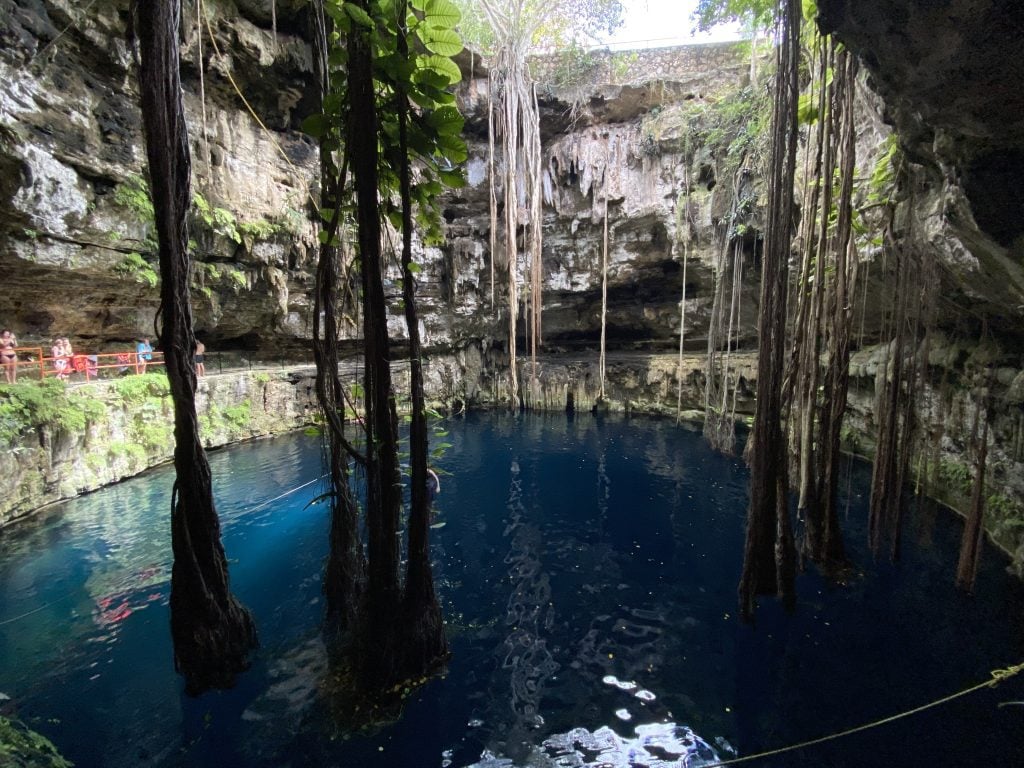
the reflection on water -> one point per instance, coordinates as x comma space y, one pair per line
588, 569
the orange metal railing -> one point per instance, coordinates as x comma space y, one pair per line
83, 367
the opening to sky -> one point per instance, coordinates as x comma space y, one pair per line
657, 23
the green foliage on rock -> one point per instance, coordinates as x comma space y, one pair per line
134, 265
220, 220
576, 65
133, 194
47, 404
883, 174
257, 229
21, 747
136, 389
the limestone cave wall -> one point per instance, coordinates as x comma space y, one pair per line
77, 250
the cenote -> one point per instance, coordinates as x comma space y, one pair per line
587, 569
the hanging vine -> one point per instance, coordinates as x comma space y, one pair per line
510, 30
817, 376
213, 633
683, 237
604, 276
373, 77
769, 553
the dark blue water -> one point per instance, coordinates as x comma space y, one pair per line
588, 572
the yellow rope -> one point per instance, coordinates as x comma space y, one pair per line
998, 676
248, 106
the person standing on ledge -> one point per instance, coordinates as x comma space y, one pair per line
143, 354
8, 356
200, 358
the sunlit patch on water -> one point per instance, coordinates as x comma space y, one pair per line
296, 679
654, 745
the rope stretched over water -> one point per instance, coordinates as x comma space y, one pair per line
998, 676
286, 493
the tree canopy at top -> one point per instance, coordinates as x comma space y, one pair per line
712, 12
540, 23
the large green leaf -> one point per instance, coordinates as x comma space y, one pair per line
453, 148
338, 15
446, 120
444, 42
452, 178
315, 125
441, 13
419, 142
358, 15
396, 66
442, 65
421, 98
429, 77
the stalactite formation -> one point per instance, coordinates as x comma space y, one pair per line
769, 553
212, 633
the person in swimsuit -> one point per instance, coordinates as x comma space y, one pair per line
200, 358
68, 355
60, 363
9, 358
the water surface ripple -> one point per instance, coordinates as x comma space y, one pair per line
588, 572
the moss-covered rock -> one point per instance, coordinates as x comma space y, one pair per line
21, 747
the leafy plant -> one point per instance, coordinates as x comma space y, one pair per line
133, 194
576, 65
155, 435
883, 175
137, 389
237, 277
956, 476
45, 404
754, 14
434, 131
622, 63
21, 746
258, 229
134, 265
238, 416
220, 220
